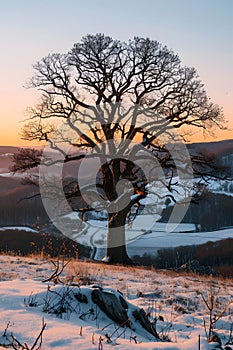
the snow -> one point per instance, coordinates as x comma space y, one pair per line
221, 187
162, 239
6, 155
160, 292
146, 233
15, 175
17, 228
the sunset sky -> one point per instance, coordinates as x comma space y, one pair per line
199, 31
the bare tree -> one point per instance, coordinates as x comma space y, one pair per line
105, 91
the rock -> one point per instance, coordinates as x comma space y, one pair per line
82, 298
141, 317
112, 304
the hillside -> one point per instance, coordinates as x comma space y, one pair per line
26, 241
218, 148
171, 301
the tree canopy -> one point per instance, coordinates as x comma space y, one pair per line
118, 100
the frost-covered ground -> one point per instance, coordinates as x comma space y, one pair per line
173, 299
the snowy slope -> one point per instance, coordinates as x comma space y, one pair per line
173, 298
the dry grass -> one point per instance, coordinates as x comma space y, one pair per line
88, 272
6, 276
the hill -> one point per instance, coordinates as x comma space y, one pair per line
171, 303
218, 148
26, 241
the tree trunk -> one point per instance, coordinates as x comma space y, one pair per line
116, 245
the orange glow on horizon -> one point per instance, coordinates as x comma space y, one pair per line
13, 118
10, 136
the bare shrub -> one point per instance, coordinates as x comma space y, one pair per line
12, 342
215, 307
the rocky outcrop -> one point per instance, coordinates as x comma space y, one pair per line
113, 304
141, 317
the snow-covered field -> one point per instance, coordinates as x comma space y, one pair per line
174, 300
146, 235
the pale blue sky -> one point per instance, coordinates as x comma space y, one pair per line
200, 31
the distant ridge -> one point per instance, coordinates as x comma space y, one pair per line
215, 147
8, 149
